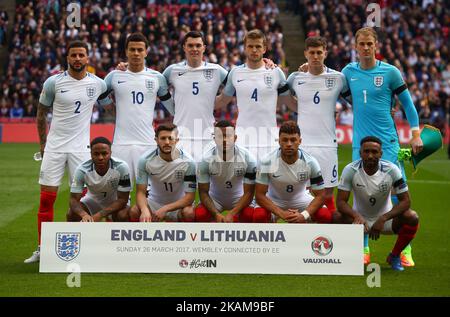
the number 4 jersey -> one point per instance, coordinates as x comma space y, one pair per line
72, 101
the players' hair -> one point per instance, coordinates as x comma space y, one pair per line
194, 34
315, 41
223, 124
77, 43
165, 127
370, 138
136, 37
255, 35
289, 127
100, 139
366, 31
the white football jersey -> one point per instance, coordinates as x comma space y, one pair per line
168, 180
287, 182
256, 95
102, 188
135, 95
227, 178
72, 101
195, 90
316, 100
372, 194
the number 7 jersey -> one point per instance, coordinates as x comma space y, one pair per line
72, 101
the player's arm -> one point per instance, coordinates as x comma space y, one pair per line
119, 204
400, 89
105, 100
227, 94
345, 209
75, 206
244, 201
207, 202
141, 191
141, 202
164, 95
288, 98
41, 121
266, 203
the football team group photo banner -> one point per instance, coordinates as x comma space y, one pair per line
246, 248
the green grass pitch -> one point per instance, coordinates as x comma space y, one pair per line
19, 197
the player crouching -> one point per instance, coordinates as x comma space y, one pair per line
226, 179
108, 186
371, 180
282, 178
171, 173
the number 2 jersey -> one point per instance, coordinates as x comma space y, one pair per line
72, 101
168, 180
372, 193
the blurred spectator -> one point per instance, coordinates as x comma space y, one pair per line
346, 116
40, 35
3, 27
16, 112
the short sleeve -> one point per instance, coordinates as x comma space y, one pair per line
48, 92
78, 182
190, 179
347, 179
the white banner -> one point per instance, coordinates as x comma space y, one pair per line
202, 248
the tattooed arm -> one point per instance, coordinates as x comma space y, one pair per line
42, 125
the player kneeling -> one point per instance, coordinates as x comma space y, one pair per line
108, 186
283, 175
371, 180
226, 179
171, 173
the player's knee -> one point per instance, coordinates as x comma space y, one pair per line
323, 215
261, 215
188, 214
121, 215
337, 217
201, 214
411, 217
72, 217
246, 215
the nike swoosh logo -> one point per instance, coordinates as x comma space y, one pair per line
181, 74
333, 181
153, 173
239, 80
359, 185
63, 91
121, 82
276, 176
353, 79
301, 82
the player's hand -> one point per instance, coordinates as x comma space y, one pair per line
359, 220
417, 145
145, 216
87, 218
229, 217
42, 147
295, 218
160, 214
269, 63
376, 229
303, 68
97, 217
122, 66
219, 217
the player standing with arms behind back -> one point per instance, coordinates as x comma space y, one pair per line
72, 94
317, 92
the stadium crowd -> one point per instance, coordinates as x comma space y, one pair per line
40, 35
413, 38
